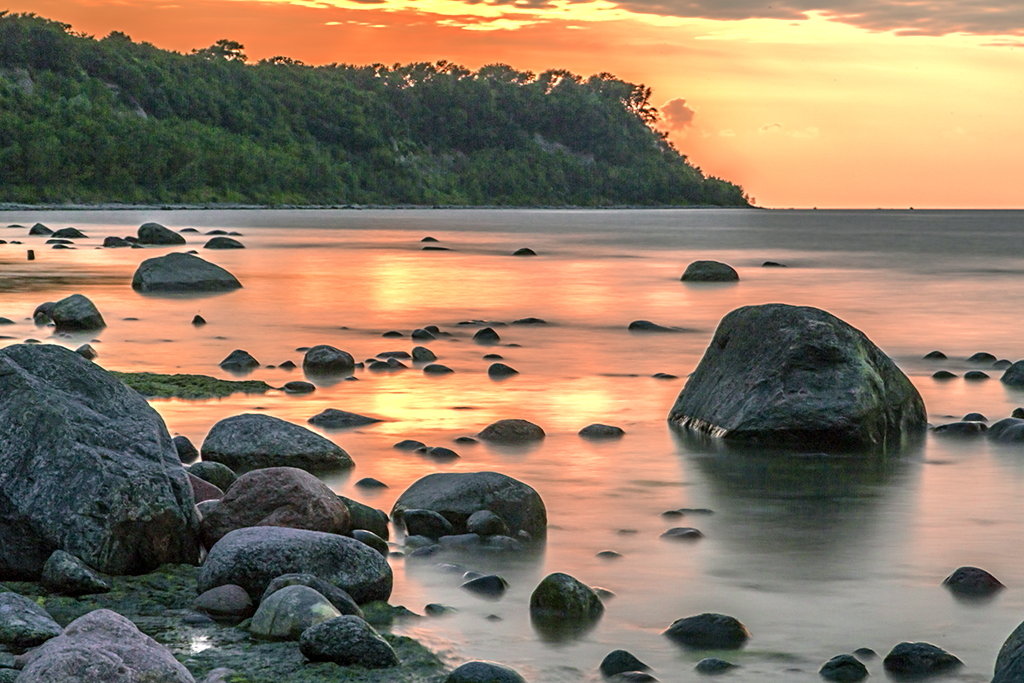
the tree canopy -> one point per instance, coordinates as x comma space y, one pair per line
113, 120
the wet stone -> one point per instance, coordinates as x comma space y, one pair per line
843, 668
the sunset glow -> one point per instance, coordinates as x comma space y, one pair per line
838, 104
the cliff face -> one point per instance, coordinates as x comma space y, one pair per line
86, 120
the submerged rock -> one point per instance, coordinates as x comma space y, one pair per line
102, 646
251, 441
484, 672
239, 360
457, 495
601, 431
223, 243
843, 668
709, 631
332, 418
1014, 375
76, 313
512, 432
972, 581
154, 233
89, 468
799, 377
324, 359
182, 273
621, 661
562, 605
709, 271
919, 659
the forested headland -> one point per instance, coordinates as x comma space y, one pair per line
85, 120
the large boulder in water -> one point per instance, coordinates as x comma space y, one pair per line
154, 233
102, 646
255, 556
76, 313
276, 496
457, 495
88, 467
251, 441
182, 273
799, 377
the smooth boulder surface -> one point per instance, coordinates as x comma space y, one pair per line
251, 441
221, 242
154, 233
76, 313
919, 659
709, 271
287, 612
480, 671
88, 468
276, 496
332, 418
215, 473
799, 377
512, 432
457, 495
1007, 430
1010, 660
182, 273
327, 360
23, 623
347, 640
972, 581
843, 668
239, 360
341, 600
225, 602
560, 597
1014, 375
709, 631
254, 556
601, 431
102, 646
621, 661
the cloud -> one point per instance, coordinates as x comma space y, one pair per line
678, 115
778, 129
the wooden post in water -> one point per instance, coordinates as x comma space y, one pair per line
31, 255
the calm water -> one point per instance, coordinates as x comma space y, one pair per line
816, 558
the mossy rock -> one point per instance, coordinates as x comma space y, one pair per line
155, 385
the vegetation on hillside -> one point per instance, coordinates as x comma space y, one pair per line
112, 120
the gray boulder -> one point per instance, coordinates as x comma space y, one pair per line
221, 242
457, 495
621, 661
598, 431
363, 516
484, 672
1007, 430
239, 360
327, 360
1010, 660
251, 441
215, 473
425, 523
88, 468
919, 659
65, 574
287, 612
76, 313
709, 271
187, 452
798, 377
225, 602
332, 418
102, 646
341, 600
843, 668
276, 496
182, 273
972, 581
347, 640
253, 557
69, 233
23, 623
1014, 375
154, 233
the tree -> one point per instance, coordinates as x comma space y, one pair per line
228, 50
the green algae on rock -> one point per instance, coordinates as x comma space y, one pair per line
156, 385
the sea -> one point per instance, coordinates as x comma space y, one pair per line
817, 555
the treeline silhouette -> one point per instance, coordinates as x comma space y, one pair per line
113, 120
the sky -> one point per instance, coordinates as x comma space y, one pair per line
805, 103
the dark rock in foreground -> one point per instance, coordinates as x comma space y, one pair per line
182, 273
341, 600
458, 495
65, 574
253, 557
709, 271
88, 468
102, 646
23, 623
347, 640
251, 441
289, 611
1014, 375
709, 631
76, 313
484, 672
799, 377
919, 659
1010, 660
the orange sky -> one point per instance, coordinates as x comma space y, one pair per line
830, 103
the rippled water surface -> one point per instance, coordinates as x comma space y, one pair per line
816, 556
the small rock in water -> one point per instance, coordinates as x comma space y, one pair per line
324, 359
609, 555
713, 666
1014, 375
465, 439
619, 661
421, 354
525, 251
530, 321
239, 360
437, 369
198, 320
709, 631
843, 668
423, 334
490, 586
934, 355
972, 581
371, 483
664, 375
441, 454
975, 375
187, 452
633, 677
435, 609
501, 371
428, 238
223, 243
982, 357
648, 326
486, 335
683, 533
1001, 364
409, 445
974, 417
865, 653
773, 264
964, 428
919, 659
601, 431
332, 418
392, 334
484, 672
709, 271
943, 374
562, 599
435, 248
299, 387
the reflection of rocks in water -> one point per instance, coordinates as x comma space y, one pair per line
781, 503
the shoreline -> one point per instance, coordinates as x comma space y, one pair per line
347, 207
